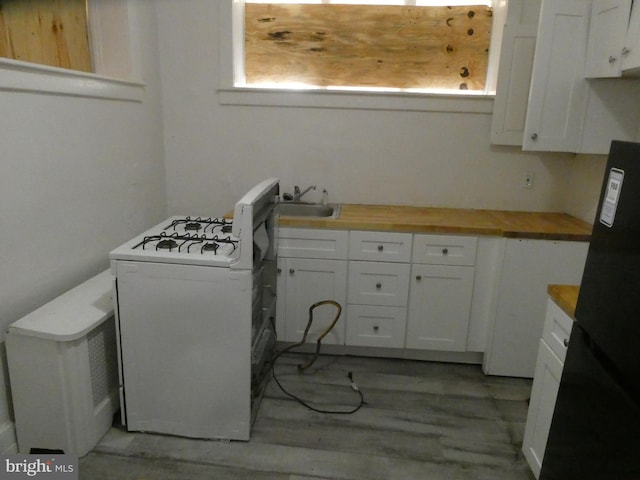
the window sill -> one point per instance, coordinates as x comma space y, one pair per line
17, 76
404, 101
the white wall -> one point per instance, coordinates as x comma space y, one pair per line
214, 152
79, 176
585, 183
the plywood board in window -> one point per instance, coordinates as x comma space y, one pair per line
49, 32
368, 46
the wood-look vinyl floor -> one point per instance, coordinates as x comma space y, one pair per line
422, 420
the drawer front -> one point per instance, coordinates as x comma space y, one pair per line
444, 250
374, 283
375, 326
310, 243
380, 246
557, 329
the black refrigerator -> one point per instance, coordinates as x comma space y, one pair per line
595, 430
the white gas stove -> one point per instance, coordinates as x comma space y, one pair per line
195, 301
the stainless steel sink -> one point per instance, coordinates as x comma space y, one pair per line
304, 209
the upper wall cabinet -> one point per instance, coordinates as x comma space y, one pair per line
631, 51
607, 38
557, 97
514, 75
564, 111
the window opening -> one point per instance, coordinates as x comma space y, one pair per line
85, 48
423, 46
47, 32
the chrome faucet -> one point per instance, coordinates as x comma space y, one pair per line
297, 195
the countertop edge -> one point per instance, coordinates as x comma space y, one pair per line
565, 296
496, 223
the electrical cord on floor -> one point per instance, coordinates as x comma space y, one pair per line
301, 367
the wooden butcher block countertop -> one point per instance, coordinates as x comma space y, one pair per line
537, 225
566, 297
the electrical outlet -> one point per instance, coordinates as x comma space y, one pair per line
527, 180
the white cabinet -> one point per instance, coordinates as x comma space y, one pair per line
313, 243
631, 51
564, 111
312, 266
380, 246
441, 292
376, 326
546, 382
444, 250
543, 400
607, 38
377, 283
307, 281
378, 289
439, 307
614, 39
558, 92
528, 267
418, 295
514, 75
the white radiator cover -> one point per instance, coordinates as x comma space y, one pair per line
63, 370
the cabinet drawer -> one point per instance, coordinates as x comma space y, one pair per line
380, 246
310, 243
557, 329
444, 250
374, 283
375, 326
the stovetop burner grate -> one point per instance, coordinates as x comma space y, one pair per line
185, 242
198, 223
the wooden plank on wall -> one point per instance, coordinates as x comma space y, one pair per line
368, 46
49, 32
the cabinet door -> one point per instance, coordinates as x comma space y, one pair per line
559, 93
514, 74
439, 306
514, 78
631, 52
528, 267
544, 392
307, 282
607, 37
